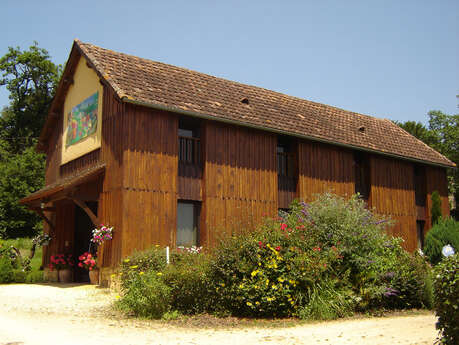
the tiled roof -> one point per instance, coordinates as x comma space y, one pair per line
158, 84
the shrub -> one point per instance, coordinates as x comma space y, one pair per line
278, 269
325, 259
6, 270
186, 278
445, 231
146, 295
190, 283
435, 212
446, 299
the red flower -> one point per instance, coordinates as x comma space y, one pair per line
283, 226
278, 248
260, 244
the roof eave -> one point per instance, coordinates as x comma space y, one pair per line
277, 131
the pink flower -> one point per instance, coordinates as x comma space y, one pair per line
80, 265
90, 268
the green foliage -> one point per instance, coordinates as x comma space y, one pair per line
6, 269
31, 78
20, 175
435, 212
146, 296
418, 130
446, 302
442, 134
189, 279
186, 278
19, 269
277, 270
325, 259
446, 231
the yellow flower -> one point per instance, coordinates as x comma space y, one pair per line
249, 304
159, 274
141, 273
133, 267
257, 303
157, 246
118, 297
280, 279
267, 281
269, 299
126, 260
254, 273
222, 284
241, 286
112, 275
274, 287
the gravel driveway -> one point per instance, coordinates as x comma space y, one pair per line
80, 314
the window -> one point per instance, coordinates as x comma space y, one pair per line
187, 224
189, 142
362, 174
286, 157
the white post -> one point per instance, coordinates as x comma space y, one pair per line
167, 255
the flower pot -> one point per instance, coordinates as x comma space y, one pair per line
65, 275
94, 277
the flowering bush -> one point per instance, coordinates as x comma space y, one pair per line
446, 305
104, 233
87, 261
61, 261
325, 259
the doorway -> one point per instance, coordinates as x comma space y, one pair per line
82, 240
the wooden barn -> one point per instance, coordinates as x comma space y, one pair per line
170, 156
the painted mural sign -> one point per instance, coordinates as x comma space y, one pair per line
82, 120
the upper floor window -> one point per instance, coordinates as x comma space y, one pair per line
362, 174
285, 158
189, 141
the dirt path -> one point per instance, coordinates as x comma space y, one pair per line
79, 314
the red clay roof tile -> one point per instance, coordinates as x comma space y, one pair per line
154, 83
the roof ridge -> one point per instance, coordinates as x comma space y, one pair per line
179, 89
350, 112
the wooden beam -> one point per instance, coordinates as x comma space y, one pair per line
85, 208
42, 215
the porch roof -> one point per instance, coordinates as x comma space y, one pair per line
62, 187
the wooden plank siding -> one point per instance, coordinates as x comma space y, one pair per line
240, 179
236, 187
436, 181
392, 194
111, 199
149, 182
324, 168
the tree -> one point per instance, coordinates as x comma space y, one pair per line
442, 134
31, 79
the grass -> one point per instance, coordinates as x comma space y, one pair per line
35, 275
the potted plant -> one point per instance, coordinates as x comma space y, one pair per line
88, 262
104, 233
63, 263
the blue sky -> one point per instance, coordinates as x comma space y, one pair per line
389, 59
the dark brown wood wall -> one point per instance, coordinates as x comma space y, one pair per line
240, 179
392, 193
436, 181
63, 232
324, 168
149, 184
111, 198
